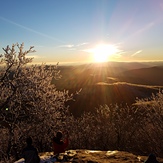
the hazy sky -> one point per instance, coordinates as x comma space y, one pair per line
71, 30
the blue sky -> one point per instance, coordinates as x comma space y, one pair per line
70, 30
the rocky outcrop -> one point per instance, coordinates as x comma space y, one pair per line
92, 156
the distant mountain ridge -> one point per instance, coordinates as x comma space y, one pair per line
120, 83
146, 76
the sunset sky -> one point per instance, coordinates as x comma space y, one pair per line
72, 31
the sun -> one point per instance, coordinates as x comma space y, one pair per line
104, 52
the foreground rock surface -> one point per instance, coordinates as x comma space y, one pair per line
93, 156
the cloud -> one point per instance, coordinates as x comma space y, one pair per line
31, 30
88, 50
84, 43
34, 56
118, 55
148, 26
136, 53
66, 46
143, 29
73, 46
107, 48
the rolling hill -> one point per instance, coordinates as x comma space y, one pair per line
109, 84
146, 76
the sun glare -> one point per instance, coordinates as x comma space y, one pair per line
104, 52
